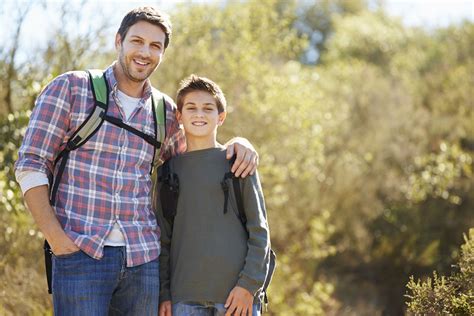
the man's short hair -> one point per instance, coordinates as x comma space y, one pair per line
147, 14
196, 83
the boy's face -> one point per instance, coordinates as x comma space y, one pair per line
141, 50
199, 115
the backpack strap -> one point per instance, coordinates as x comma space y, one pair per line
237, 194
159, 116
169, 191
87, 129
100, 91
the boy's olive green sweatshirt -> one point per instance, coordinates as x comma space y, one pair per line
209, 252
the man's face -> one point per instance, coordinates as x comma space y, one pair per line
141, 51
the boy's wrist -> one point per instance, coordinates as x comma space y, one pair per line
248, 284
164, 296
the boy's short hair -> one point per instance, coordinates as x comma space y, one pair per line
147, 14
196, 83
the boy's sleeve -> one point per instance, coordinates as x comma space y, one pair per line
165, 240
257, 261
46, 129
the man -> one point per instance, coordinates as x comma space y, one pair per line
101, 228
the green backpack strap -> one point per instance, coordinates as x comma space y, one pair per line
159, 113
96, 117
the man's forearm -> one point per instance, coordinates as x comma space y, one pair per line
37, 200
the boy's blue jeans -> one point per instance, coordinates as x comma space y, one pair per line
86, 286
205, 309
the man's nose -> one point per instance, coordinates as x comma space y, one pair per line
145, 50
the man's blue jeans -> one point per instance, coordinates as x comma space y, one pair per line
205, 309
86, 286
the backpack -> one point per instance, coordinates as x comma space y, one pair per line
100, 90
169, 193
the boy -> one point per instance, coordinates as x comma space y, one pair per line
210, 264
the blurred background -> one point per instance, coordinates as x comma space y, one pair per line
362, 113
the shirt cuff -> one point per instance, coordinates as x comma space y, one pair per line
30, 179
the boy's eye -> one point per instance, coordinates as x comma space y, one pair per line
208, 109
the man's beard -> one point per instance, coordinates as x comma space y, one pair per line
127, 72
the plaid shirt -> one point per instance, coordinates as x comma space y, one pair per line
108, 178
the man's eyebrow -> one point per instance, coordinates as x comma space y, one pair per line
154, 42
192, 103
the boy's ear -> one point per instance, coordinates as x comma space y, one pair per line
222, 117
178, 117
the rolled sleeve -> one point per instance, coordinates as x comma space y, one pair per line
30, 179
47, 128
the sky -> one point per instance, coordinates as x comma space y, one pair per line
40, 22
431, 13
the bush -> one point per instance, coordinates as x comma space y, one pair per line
441, 295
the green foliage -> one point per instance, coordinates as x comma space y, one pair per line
438, 174
446, 295
23, 284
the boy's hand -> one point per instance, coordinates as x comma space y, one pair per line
246, 161
165, 308
239, 302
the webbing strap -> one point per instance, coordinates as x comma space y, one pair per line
238, 198
57, 179
148, 138
48, 265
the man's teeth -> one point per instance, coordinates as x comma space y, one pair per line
140, 63
199, 123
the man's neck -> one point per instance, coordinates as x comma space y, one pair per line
127, 86
198, 143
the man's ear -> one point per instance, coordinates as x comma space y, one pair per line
222, 117
118, 41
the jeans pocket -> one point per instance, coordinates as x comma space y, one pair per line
67, 255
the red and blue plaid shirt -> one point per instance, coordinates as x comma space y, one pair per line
108, 178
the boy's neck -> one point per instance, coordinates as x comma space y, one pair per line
198, 143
